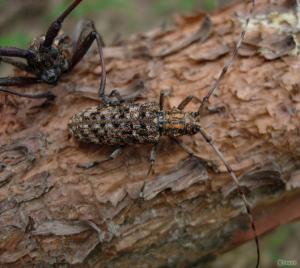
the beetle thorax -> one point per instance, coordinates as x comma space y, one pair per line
177, 123
49, 63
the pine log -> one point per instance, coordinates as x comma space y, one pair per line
58, 205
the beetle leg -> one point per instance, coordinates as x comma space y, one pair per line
186, 101
152, 158
210, 164
23, 81
203, 112
16, 52
113, 156
47, 95
18, 81
85, 39
18, 64
82, 30
115, 153
115, 93
81, 49
153, 155
162, 98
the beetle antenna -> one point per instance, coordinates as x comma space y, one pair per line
217, 82
209, 140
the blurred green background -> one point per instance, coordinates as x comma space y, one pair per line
21, 20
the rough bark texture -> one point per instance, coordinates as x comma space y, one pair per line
53, 210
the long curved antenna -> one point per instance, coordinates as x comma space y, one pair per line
102, 86
217, 82
55, 26
47, 95
81, 49
103, 71
209, 140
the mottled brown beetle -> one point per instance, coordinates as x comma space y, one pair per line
119, 122
50, 56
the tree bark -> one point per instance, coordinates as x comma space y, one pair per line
55, 209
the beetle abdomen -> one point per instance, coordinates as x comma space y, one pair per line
116, 125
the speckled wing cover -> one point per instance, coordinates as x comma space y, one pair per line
116, 125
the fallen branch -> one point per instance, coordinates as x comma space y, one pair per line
56, 208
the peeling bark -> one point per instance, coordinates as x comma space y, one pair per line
54, 209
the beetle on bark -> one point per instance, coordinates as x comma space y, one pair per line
119, 122
115, 121
50, 56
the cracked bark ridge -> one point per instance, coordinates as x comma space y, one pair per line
54, 211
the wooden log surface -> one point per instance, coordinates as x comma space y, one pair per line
55, 210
